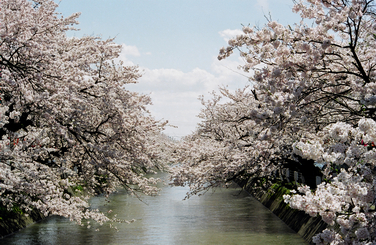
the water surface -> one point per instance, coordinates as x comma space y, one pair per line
226, 216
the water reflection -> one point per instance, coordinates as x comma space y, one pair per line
226, 216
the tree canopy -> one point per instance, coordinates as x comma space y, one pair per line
312, 96
67, 122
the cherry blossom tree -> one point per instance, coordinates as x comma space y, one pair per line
348, 199
307, 80
226, 146
67, 123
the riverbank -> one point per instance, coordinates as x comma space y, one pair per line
305, 225
11, 222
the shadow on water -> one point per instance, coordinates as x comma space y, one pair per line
226, 216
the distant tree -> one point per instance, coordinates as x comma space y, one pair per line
66, 121
312, 84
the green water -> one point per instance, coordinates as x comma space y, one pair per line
227, 216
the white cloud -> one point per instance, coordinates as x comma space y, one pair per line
129, 50
174, 80
228, 33
175, 93
126, 51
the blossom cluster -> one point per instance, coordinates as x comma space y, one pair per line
69, 129
312, 97
349, 197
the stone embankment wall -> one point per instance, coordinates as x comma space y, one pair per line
305, 225
15, 221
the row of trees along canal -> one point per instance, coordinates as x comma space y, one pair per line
68, 123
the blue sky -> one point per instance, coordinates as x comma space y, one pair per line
175, 43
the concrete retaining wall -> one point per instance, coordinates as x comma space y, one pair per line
15, 222
305, 225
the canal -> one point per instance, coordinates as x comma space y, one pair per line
226, 216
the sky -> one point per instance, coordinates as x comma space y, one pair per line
175, 43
